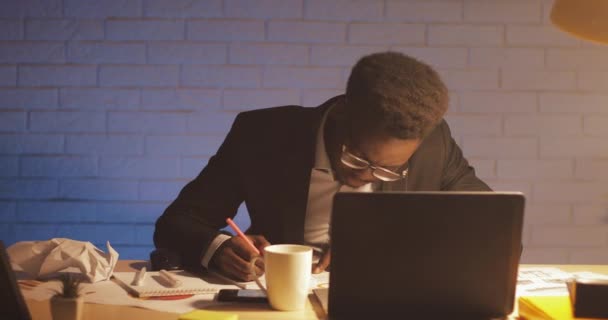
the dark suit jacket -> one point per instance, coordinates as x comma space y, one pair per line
266, 161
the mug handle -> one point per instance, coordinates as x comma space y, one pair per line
257, 276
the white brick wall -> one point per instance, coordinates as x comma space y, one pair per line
107, 108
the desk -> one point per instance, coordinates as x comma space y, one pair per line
313, 310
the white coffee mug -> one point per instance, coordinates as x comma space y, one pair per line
288, 271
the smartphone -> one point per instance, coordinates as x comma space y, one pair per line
242, 295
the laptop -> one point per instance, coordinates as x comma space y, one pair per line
13, 305
425, 255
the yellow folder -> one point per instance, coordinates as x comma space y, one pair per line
545, 308
208, 315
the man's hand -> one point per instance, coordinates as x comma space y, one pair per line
323, 262
234, 256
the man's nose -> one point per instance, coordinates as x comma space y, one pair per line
367, 176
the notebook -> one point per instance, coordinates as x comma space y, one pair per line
154, 286
417, 254
13, 305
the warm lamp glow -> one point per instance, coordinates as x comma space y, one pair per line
587, 19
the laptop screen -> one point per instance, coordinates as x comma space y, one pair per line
425, 253
13, 306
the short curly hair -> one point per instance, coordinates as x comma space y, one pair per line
392, 94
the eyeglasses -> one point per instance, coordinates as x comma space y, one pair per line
352, 161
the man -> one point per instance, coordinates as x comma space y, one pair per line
286, 163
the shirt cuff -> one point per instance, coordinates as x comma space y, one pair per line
215, 244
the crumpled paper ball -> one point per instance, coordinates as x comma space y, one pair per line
45, 259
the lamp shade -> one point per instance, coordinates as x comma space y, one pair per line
587, 19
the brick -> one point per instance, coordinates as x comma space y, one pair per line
9, 167
315, 97
263, 53
98, 234
518, 11
104, 144
31, 52
28, 189
533, 255
102, 9
149, 29
289, 77
465, 35
8, 211
595, 169
310, 32
127, 212
469, 79
590, 214
11, 29
53, 211
182, 52
284, 9
146, 122
577, 59
569, 236
182, 145
535, 170
589, 256
243, 99
64, 29
500, 148
475, 125
573, 102
180, 99
28, 98
135, 76
183, 8
30, 143
106, 52
225, 30
67, 121
437, 57
492, 102
386, 33
160, 190
346, 10
57, 75
345, 56
191, 167
576, 147
571, 192
221, 76
136, 167
35, 232
539, 36
538, 80
144, 235
98, 189
31, 8
98, 98
541, 125
547, 215
8, 76
483, 168
424, 10
58, 166
210, 123
12, 121
516, 58
593, 81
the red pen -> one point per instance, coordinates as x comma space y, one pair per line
242, 235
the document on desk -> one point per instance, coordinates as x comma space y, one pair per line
548, 281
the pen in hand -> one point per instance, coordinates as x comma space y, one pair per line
242, 235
